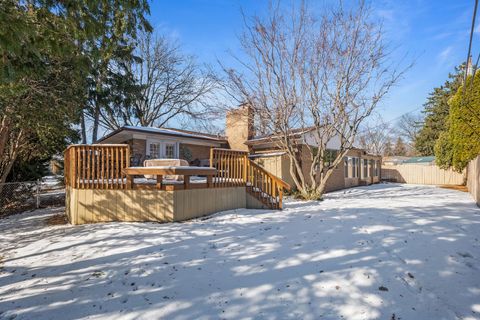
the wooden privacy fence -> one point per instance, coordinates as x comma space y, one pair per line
97, 166
421, 174
234, 168
473, 179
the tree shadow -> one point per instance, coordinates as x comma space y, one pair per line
313, 260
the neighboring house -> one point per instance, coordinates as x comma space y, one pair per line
358, 167
427, 161
154, 143
394, 160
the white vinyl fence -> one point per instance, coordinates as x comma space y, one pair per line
422, 174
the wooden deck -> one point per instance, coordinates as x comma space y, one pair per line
101, 186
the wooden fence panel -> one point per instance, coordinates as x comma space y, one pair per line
422, 174
473, 179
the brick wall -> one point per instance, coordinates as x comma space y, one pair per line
138, 151
239, 127
196, 151
336, 181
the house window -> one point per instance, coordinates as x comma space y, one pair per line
345, 165
170, 151
154, 150
330, 156
355, 167
377, 168
354, 163
365, 168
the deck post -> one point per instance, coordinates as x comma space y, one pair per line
209, 181
186, 182
211, 157
159, 181
129, 182
245, 165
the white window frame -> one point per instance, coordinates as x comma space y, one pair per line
175, 152
163, 148
365, 168
149, 143
345, 169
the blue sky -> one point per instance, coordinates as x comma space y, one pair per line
432, 33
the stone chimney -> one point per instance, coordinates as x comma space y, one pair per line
239, 127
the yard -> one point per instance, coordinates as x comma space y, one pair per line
386, 251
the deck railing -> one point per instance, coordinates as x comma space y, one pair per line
96, 166
104, 166
231, 167
234, 168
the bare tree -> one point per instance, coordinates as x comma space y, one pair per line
318, 74
408, 127
374, 137
171, 85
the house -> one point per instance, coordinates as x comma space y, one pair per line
152, 143
427, 161
394, 160
108, 182
358, 167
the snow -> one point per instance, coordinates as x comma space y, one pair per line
314, 260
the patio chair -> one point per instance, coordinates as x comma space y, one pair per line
165, 162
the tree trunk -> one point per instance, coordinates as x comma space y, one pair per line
14, 151
83, 128
4, 134
96, 122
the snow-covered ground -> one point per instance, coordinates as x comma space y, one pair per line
387, 251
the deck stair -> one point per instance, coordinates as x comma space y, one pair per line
234, 168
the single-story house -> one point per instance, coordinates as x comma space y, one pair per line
394, 160
430, 160
358, 167
153, 143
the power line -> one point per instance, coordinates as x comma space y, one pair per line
470, 41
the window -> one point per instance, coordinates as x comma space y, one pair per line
354, 163
329, 157
345, 165
358, 167
377, 168
365, 168
154, 150
169, 151
355, 169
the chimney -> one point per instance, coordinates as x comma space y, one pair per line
239, 127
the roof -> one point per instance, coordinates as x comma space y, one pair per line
277, 136
420, 159
168, 132
268, 154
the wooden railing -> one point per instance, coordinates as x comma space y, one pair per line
104, 166
231, 167
97, 166
235, 169
265, 186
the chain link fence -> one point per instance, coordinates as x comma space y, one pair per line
16, 197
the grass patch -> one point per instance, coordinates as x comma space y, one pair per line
58, 219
